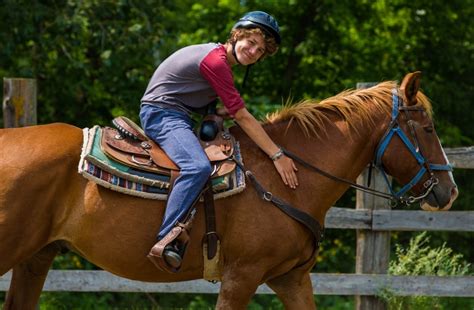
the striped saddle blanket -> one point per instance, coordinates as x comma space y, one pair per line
97, 165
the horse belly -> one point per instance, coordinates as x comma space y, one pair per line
116, 231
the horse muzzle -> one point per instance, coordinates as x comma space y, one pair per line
441, 198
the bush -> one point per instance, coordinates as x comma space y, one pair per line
420, 259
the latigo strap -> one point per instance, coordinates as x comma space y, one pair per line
211, 237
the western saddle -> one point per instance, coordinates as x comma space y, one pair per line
129, 145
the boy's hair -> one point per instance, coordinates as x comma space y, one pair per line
271, 46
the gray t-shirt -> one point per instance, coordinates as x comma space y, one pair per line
193, 77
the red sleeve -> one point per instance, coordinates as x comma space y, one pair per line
217, 72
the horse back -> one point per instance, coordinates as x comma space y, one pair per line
37, 160
40, 144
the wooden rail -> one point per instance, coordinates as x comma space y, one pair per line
399, 220
461, 157
323, 284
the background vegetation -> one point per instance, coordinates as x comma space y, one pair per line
93, 59
418, 258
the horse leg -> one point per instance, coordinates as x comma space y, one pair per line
294, 289
28, 278
237, 288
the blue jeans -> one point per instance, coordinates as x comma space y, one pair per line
173, 131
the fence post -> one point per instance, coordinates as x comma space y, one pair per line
373, 248
19, 102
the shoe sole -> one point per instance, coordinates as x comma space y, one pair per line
172, 259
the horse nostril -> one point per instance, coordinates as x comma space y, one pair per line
454, 191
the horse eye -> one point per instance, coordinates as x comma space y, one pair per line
428, 128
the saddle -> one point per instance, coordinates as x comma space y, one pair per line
129, 145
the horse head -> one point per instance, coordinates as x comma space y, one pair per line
411, 152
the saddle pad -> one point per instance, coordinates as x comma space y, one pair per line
97, 167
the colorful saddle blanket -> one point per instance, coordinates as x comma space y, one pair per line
114, 173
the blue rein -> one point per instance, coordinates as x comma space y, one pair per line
394, 129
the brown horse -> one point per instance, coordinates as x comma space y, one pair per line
46, 206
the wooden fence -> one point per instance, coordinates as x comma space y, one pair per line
373, 221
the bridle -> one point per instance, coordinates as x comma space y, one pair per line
415, 150
392, 130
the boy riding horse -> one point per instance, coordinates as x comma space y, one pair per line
189, 80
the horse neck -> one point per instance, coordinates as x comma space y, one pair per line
340, 151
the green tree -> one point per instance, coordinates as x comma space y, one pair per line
93, 59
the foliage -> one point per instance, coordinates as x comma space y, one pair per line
421, 259
92, 60
126, 301
63, 300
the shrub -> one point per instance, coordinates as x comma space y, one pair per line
420, 259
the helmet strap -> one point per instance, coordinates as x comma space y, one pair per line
247, 71
234, 53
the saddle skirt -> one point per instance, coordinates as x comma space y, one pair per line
126, 160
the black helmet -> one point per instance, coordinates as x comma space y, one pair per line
261, 20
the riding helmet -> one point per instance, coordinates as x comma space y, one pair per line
261, 20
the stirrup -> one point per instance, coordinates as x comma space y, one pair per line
162, 257
167, 259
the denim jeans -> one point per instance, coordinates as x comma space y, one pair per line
173, 131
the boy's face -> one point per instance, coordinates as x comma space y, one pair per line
250, 49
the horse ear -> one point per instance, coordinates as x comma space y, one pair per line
410, 86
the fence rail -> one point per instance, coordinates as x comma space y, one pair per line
461, 157
399, 220
323, 284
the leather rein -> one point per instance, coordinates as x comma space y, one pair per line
396, 197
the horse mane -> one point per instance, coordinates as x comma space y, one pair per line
350, 106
